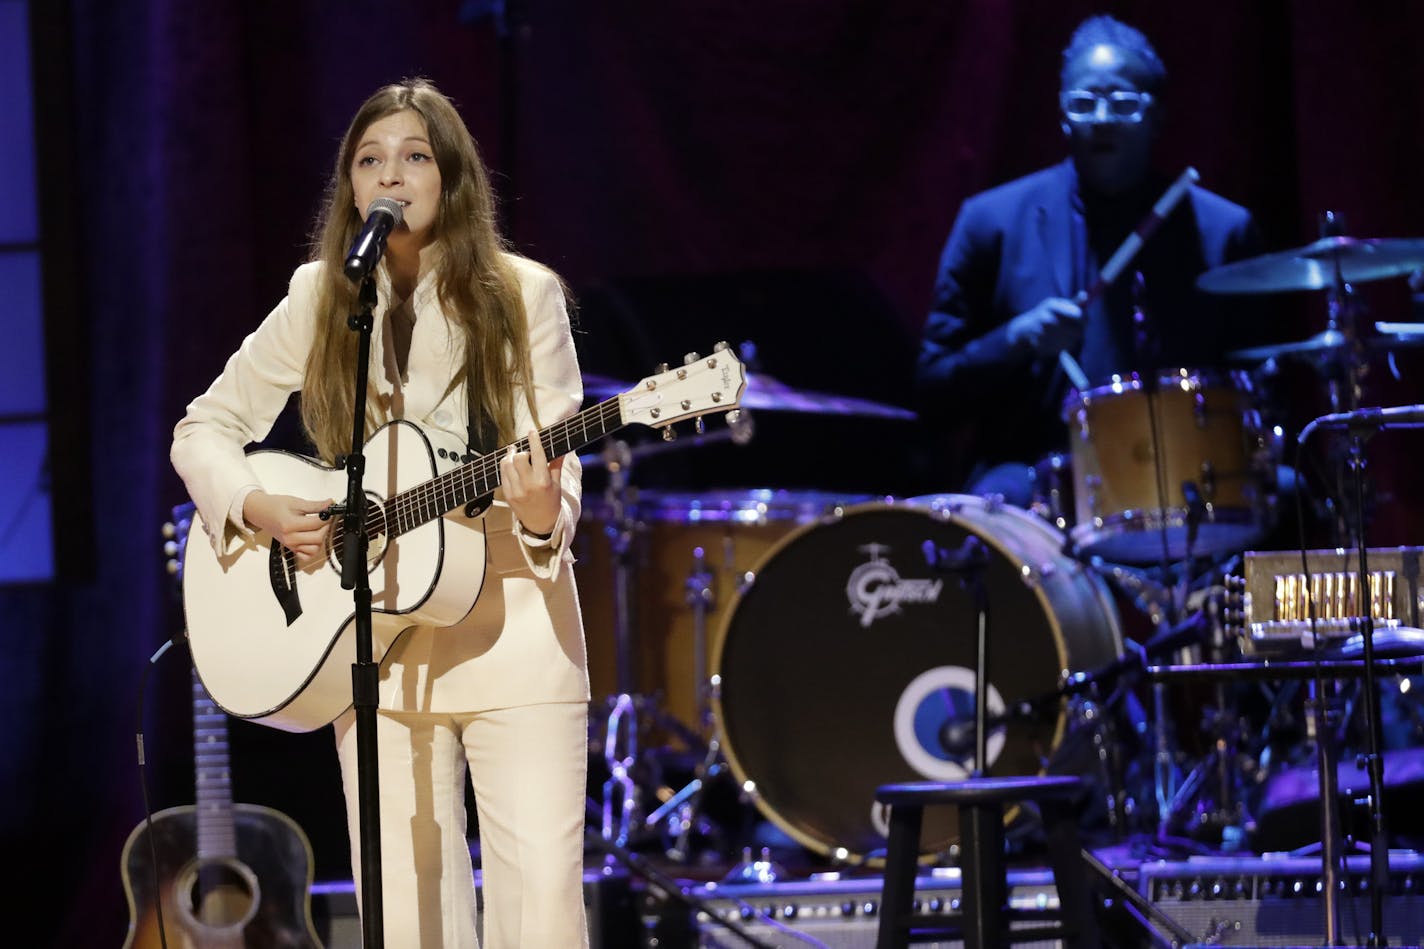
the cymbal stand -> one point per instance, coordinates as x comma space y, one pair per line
1345, 370
621, 794
1159, 601
680, 811
620, 753
618, 459
701, 596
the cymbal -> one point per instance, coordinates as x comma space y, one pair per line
1313, 267
765, 392
1325, 341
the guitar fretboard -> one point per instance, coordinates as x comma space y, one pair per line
473, 480
216, 836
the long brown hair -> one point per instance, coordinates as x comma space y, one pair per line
475, 281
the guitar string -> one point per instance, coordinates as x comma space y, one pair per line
483, 470
438, 491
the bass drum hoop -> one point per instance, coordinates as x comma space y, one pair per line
946, 508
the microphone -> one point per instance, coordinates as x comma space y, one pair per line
1365, 419
382, 216
970, 556
1196, 510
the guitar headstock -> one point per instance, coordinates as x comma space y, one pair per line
701, 386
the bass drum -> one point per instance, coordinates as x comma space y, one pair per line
849, 663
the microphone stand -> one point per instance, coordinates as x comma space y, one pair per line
1146, 350
970, 562
1374, 760
364, 671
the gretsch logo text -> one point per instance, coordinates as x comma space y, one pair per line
875, 589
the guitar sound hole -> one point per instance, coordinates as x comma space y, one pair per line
220, 894
377, 537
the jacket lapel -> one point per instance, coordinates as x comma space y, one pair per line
1055, 230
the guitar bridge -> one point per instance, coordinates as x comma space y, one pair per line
282, 568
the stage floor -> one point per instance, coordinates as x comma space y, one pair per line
1218, 899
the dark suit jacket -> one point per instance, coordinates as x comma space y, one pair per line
1011, 247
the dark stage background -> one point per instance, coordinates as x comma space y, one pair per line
779, 172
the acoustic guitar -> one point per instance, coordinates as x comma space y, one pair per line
273, 638
230, 876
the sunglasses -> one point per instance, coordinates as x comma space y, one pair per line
1083, 105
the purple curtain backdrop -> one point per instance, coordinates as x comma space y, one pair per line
694, 169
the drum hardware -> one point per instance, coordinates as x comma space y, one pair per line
1051, 479
701, 594
1196, 799
681, 812
620, 753
1199, 805
1336, 264
623, 798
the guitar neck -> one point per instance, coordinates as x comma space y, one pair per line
216, 835
476, 479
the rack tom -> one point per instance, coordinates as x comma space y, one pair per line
1168, 465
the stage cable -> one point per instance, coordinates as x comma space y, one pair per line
143, 787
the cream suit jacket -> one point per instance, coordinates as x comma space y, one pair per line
522, 643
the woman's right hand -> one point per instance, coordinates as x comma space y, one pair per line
291, 521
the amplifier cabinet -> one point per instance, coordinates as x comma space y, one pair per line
1270, 605
845, 913
1270, 901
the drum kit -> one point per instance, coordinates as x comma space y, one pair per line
808, 646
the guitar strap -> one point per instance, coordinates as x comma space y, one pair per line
481, 439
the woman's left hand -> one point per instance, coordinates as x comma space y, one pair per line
532, 486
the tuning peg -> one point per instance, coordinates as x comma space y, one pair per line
669, 434
169, 530
722, 346
662, 367
690, 358
700, 426
171, 548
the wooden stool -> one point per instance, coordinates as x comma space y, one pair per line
983, 921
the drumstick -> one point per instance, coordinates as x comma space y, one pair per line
1123, 256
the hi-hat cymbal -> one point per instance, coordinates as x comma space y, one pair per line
1324, 342
1313, 267
765, 392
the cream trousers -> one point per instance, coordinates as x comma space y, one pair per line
528, 767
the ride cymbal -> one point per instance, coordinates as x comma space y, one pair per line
769, 394
1314, 266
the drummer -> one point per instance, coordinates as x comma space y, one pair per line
1018, 253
